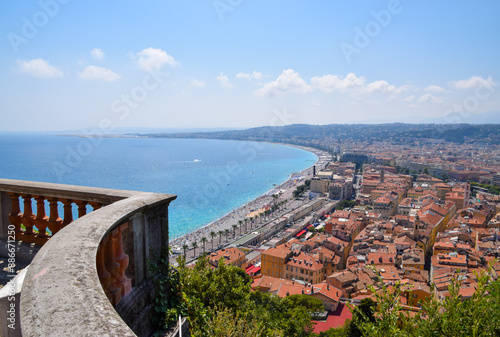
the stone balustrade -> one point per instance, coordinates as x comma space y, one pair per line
25, 193
91, 278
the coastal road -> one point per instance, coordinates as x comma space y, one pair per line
190, 253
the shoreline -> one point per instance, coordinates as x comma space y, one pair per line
240, 213
225, 222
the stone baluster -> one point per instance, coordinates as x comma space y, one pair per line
82, 208
104, 275
41, 221
114, 292
16, 216
55, 222
68, 211
28, 220
122, 259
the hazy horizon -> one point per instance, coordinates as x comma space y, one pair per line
69, 66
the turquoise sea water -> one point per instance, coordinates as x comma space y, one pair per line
209, 177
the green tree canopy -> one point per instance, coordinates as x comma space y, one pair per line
220, 302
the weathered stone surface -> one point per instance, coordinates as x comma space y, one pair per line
62, 295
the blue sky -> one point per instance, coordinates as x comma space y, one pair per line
68, 64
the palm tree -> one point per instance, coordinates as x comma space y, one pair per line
234, 229
185, 248
220, 235
275, 197
195, 245
203, 240
251, 222
227, 233
212, 234
240, 222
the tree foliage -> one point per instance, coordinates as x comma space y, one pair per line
347, 204
219, 302
492, 189
299, 190
308, 302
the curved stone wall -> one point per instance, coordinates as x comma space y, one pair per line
62, 294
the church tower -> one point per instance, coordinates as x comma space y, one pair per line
416, 225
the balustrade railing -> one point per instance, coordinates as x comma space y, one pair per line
25, 223
33, 224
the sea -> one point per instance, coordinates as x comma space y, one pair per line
210, 177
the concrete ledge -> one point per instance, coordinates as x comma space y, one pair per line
62, 295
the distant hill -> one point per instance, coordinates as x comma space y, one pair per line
321, 136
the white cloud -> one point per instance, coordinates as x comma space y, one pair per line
98, 73
403, 88
39, 68
329, 83
380, 86
97, 54
255, 75
408, 98
435, 88
355, 85
316, 103
224, 80
473, 82
428, 98
288, 82
197, 83
153, 59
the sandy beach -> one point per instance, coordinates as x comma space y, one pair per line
284, 191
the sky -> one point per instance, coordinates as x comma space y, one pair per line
106, 65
